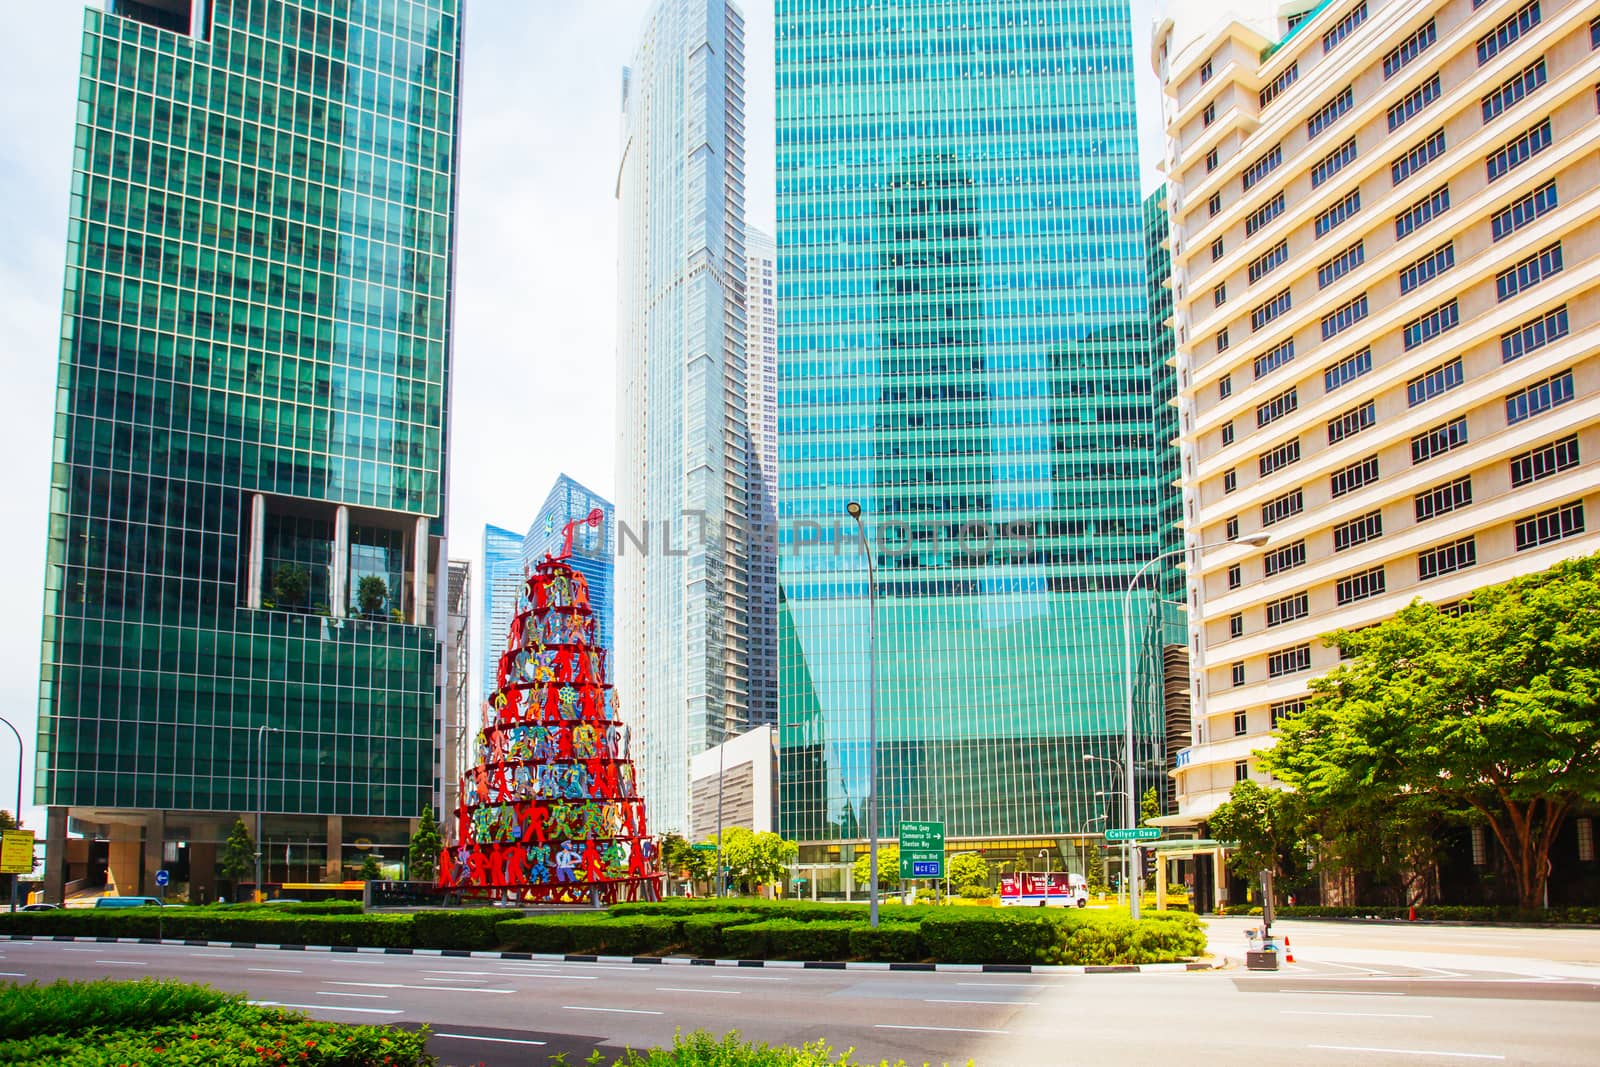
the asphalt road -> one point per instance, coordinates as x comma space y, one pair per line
1358, 994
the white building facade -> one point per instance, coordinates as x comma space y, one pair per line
761, 494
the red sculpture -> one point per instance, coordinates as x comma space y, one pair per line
551, 811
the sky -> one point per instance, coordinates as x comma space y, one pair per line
536, 271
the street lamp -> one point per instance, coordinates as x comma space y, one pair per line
16, 815
1131, 810
854, 510
261, 795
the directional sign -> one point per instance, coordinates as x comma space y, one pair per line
1137, 833
16, 852
925, 869
704, 848
163, 879
922, 850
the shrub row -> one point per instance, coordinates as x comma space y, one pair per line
264, 926
701, 1049
1444, 913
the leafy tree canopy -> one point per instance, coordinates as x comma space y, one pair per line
238, 859
426, 844
370, 871
967, 870
755, 859
888, 868
1269, 831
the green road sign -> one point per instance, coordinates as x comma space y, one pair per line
704, 848
1137, 833
922, 850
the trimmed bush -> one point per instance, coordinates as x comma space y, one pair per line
466, 928
974, 935
702, 934
790, 939
593, 933
890, 942
700, 1049
70, 1007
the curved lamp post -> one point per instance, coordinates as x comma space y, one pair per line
854, 509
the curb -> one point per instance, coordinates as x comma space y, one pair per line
655, 961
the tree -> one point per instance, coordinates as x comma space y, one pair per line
755, 859
290, 585
1096, 875
968, 870
426, 844
371, 594
1490, 711
370, 871
1149, 805
1269, 833
238, 860
888, 868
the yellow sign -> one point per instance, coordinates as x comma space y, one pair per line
16, 851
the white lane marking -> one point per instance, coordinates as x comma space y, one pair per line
364, 996
487, 974
1357, 1014
124, 963
1410, 1052
557, 977
1351, 967
697, 989
941, 1029
480, 1037
12, 974
430, 988
212, 955
1339, 993
930, 1000
619, 1011
324, 1007
274, 970
80, 950
1019, 985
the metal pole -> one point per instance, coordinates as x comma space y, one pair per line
722, 748
872, 720
261, 800
20, 754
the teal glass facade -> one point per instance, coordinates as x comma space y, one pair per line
964, 349
252, 410
1164, 371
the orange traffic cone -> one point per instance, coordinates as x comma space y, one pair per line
1288, 951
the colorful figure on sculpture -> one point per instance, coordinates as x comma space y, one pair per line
551, 811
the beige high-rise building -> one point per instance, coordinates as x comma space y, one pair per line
1384, 251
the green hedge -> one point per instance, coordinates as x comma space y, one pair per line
790, 939
1446, 913
204, 924
593, 933
474, 929
991, 935
893, 942
701, 1049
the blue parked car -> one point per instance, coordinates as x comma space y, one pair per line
127, 902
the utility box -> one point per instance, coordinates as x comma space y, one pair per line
1261, 960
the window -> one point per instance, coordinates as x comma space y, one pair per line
1513, 89
1289, 76
1230, 480
1263, 166
1289, 661
1241, 770
1445, 558
1341, 264
1344, 316
1347, 370
1279, 458
1241, 723
1268, 261
1443, 499
1283, 559
1594, 33
1269, 310
1211, 161
1428, 267
1358, 531
1333, 162
1344, 27
1435, 203
1431, 383
1543, 462
1214, 205
1288, 609
1553, 524
1330, 112
1446, 437
1274, 357
1235, 576
1276, 510
1336, 214
1523, 210
1534, 335
1219, 295
1236, 625
1518, 150
1263, 215
1209, 115
1515, 25
1282, 709
1359, 586
1227, 434
1352, 422
1276, 408
1222, 340
1539, 398
1349, 479
1225, 387
1205, 72
1420, 156
1410, 48
1230, 528
1427, 326
1413, 102
1238, 674
1528, 272
1216, 250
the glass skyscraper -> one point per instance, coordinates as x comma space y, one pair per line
248, 482
503, 575
964, 349
683, 445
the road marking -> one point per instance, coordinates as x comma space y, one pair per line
1410, 1052
750, 978
619, 1011
324, 1007
941, 1029
1356, 1014
364, 996
274, 970
697, 989
213, 956
480, 1037
429, 988
124, 963
1340, 993
12, 974
557, 977
487, 974
930, 1000
1020, 985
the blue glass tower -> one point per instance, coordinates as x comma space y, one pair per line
963, 349
502, 581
